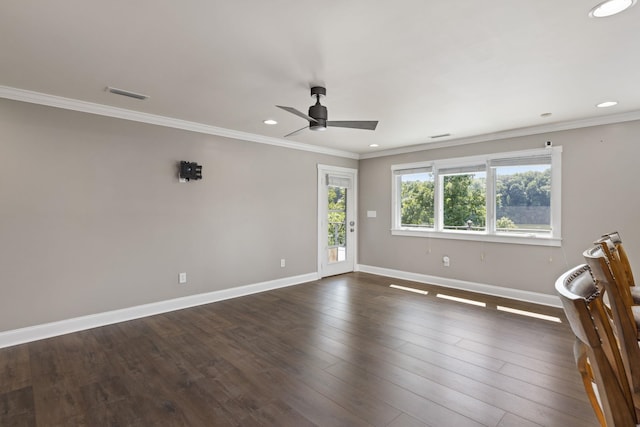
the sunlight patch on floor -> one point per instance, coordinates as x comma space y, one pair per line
462, 300
529, 314
405, 288
480, 304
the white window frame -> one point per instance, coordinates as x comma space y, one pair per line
489, 235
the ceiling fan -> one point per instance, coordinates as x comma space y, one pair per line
317, 116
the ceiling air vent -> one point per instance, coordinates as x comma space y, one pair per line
440, 136
126, 93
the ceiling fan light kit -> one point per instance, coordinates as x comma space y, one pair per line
318, 116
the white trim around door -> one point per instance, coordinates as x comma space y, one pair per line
337, 257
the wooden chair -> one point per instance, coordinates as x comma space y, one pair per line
622, 255
611, 244
629, 293
597, 355
624, 316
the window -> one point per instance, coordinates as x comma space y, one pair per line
464, 198
506, 197
337, 223
416, 198
523, 195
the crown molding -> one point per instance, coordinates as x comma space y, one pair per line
512, 133
153, 119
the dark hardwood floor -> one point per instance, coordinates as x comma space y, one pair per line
343, 351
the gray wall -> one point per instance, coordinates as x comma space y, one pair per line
600, 189
92, 217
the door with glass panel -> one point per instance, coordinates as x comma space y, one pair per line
336, 220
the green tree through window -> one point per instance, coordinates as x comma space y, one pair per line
337, 233
523, 197
417, 200
464, 198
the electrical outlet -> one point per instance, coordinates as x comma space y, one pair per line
283, 263
182, 278
446, 261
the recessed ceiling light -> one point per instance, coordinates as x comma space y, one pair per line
270, 122
607, 104
374, 145
610, 7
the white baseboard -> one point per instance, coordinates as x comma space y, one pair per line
48, 330
499, 291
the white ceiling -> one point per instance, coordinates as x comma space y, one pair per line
420, 67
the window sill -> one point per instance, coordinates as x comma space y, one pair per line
520, 239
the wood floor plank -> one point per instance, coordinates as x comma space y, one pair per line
545, 381
342, 351
312, 373
545, 366
236, 385
405, 420
579, 408
512, 420
17, 407
56, 401
310, 403
15, 370
391, 365
374, 411
425, 410
477, 400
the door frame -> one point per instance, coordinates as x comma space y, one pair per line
323, 170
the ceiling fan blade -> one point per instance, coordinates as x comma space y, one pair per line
297, 113
296, 131
368, 125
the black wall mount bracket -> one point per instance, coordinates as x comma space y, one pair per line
189, 171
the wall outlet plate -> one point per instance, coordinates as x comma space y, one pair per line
182, 278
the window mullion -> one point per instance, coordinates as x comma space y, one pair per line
491, 200
438, 217
556, 192
396, 193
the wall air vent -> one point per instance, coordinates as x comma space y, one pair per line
440, 136
123, 92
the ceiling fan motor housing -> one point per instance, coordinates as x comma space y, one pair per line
318, 90
319, 114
